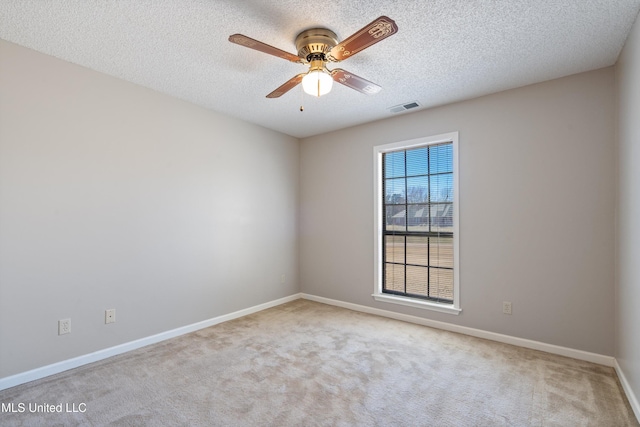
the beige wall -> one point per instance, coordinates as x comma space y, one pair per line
628, 218
537, 200
115, 196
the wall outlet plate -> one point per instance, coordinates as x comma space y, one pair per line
506, 307
110, 315
64, 326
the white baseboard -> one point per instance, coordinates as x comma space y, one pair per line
507, 339
631, 396
65, 365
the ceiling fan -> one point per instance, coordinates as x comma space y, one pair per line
318, 46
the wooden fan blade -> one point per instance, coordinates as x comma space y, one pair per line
371, 34
293, 82
355, 82
245, 41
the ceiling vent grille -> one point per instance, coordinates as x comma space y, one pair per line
404, 107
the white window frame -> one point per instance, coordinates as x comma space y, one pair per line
378, 295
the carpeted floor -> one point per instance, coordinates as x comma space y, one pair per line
310, 364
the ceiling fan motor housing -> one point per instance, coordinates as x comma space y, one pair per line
314, 44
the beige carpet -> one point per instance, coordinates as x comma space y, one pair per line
310, 364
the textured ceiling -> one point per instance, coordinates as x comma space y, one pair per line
444, 51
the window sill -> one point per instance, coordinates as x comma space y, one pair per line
411, 302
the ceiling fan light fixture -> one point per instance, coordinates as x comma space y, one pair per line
317, 82
316, 47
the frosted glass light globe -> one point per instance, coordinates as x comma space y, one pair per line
317, 83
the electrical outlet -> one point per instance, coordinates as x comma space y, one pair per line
282, 278
64, 326
506, 307
110, 315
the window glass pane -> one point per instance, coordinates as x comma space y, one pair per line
394, 164
418, 189
417, 280
418, 218
417, 161
394, 191
395, 218
442, 217
418, 200
441, 158
441, 283
394, 249
440, 252
394, 277
417, 250
441, 188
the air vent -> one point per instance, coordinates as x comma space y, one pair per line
404, 107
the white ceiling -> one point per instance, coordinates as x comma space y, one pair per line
444, 51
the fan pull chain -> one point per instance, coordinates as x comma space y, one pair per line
301, 99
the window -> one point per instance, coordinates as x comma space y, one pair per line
416, 223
